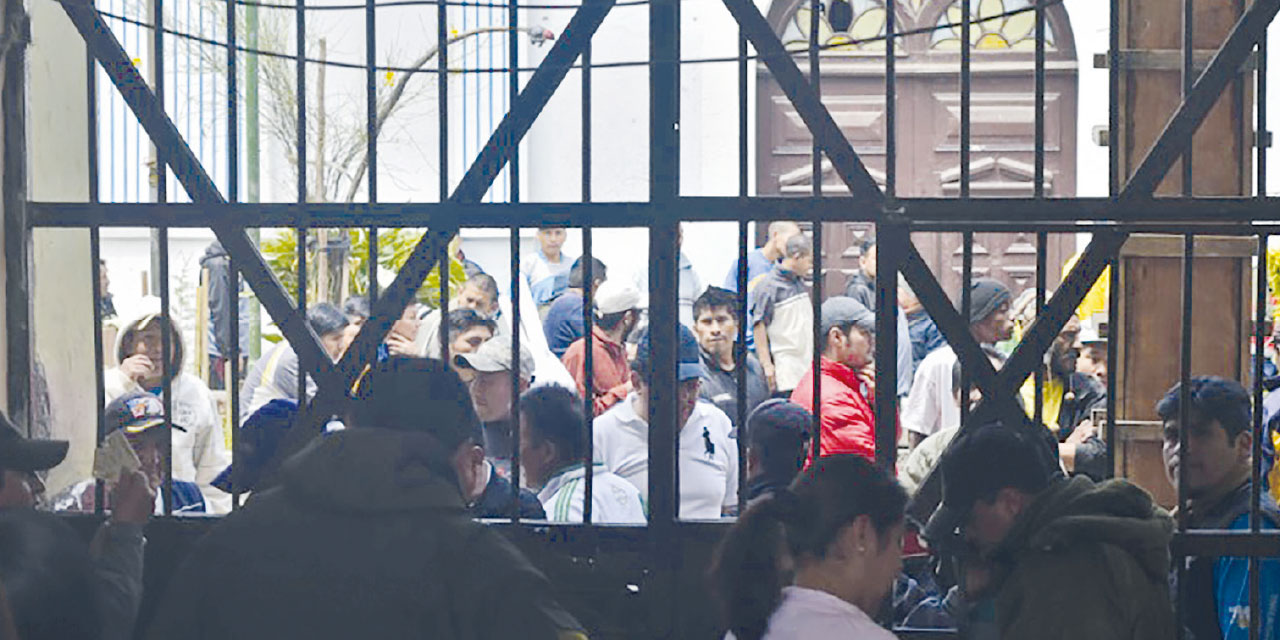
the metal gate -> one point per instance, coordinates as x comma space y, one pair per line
667, 566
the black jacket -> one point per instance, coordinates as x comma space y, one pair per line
362, 538
862, 289
720, 387
1086, 394
495, 502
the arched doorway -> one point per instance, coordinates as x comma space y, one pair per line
928, 120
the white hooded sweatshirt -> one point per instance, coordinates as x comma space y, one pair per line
201, 452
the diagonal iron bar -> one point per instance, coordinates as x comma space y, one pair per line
500, 149
1224, 66
106, 49
807, 102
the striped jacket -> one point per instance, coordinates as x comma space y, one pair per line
613, 499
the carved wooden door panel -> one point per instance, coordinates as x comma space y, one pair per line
1002, 120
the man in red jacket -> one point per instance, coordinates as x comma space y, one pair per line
848, 417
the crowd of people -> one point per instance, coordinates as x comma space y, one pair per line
1040, 545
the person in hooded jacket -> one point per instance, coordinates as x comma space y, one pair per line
365, 535
1059, 558
201, 452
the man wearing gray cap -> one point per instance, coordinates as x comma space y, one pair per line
617, 313
932, 404
848, 418
487, 373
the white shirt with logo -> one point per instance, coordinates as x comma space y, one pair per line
613, 500
708, 456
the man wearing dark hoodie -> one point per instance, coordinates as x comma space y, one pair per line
1057, 557
366, 536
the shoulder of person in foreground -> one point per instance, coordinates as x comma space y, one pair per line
528, 607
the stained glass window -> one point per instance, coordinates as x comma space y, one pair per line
843, 25
992, 29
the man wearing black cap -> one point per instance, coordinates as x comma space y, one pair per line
848, 418
932, 406
1059, 558
366, 536
117, 546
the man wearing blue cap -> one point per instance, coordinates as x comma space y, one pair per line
707, 456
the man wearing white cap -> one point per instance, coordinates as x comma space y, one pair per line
487, 372
617, 312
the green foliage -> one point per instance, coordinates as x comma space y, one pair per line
280, 250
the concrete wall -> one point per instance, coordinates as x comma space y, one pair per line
63, 297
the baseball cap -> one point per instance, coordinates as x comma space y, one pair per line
135, 412
616, 296
495, 355
20, 453
980, 462
688, 355
839, 311
778, 420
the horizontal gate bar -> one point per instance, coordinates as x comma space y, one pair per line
1072, 215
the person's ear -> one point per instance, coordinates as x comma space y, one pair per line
855, 539
637, 380
1244, 445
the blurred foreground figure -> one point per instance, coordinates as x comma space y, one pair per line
366, 536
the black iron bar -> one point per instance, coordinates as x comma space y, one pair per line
815, 81
17, 246
1188, 79
1042, 267
231, 377
588, 298
1225, 215
1113, 103
1038, 172
1184, 416
371, 131
1114, 335
1255, 462
742, 307
166, 368
513, 178
300, 150
95, 272
891, 109
588, 371
891, 240
966, 309
966, 94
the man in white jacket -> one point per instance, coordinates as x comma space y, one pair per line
199, 453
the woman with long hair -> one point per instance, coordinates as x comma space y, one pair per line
816, 560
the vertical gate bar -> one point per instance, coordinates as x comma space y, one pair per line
371, 132
966, 91
891, 110
1255, 463
1188, 79
166, 368
442, 101
161, 170
513, 176
300, 15
1113, 342
95, 271
1113, 116
664, 188
890, 246
815, 78
1262, 142
162, 249
515, 365
588, 296
1042, 266
444, 264
1038, 187
232, 376
966, 299
588, 397
1184, 414
17, 244
741, 277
